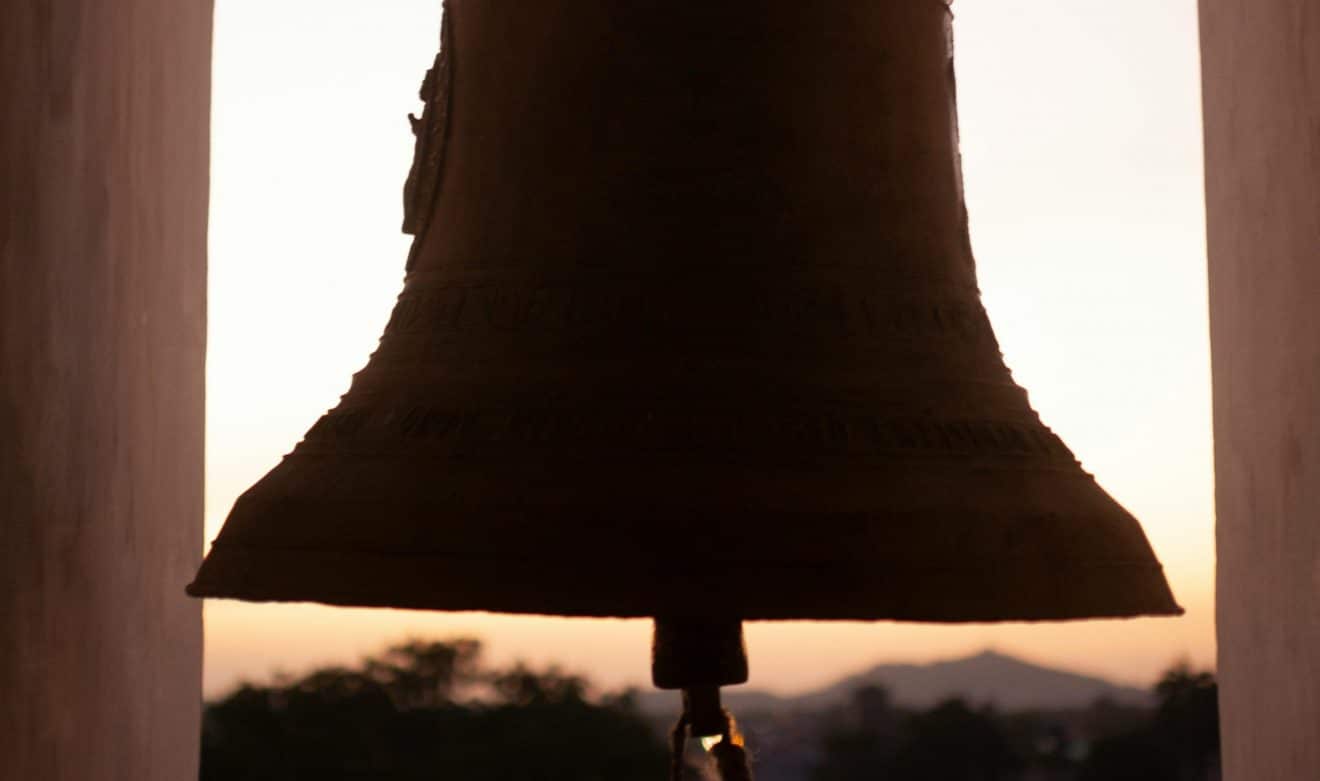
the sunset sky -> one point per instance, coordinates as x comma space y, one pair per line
1081, 143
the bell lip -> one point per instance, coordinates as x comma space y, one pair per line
455, 584
1177, 611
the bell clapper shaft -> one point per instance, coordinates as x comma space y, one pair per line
698, 656
704, 714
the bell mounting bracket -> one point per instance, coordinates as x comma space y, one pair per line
698, 656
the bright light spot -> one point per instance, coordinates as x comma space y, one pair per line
710, 741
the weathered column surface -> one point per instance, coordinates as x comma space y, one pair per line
104, 122
1261, 61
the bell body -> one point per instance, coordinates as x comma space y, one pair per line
692, 328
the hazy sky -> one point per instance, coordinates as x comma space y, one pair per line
1082, 158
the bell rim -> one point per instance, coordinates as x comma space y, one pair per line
760, 591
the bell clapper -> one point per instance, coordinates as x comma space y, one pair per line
698, 656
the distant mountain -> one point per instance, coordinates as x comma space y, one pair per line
985, 678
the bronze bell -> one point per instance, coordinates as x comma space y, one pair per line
690, 329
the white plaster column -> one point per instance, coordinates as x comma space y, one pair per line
104, 134
1261, 72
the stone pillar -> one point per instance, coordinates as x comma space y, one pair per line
104, 134
1261, 69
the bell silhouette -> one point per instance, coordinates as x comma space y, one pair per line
690, 330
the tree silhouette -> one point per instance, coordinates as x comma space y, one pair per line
427, 711
950, 742
1178, 740
419, 674
1180, 743
954, 742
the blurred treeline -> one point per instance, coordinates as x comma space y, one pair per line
427, 710
434, 710
1177, 740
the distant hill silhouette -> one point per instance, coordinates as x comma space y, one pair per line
988, 677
